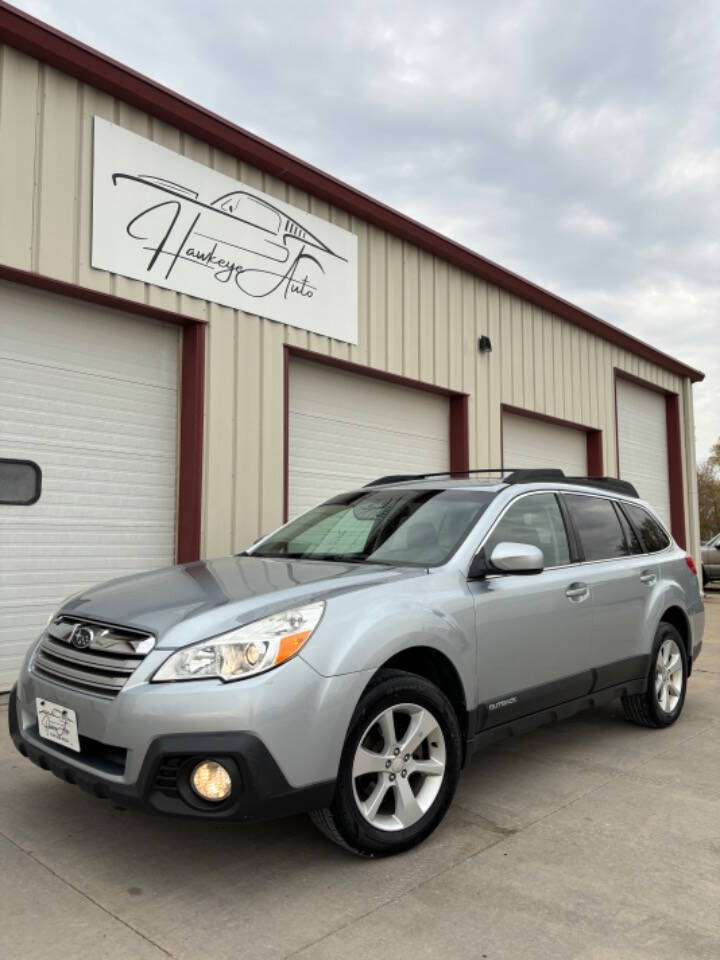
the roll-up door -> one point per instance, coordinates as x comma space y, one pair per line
91, 396
532, 443
643, 445
346, 429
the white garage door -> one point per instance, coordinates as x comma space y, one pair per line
642, 444
532, 443
346, 429
90, 395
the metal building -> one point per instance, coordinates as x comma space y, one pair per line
201, 335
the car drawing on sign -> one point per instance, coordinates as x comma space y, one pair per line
710, 556
351, 662
239, 228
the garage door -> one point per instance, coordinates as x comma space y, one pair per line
642, 444
532, 443
91, 396
346, 429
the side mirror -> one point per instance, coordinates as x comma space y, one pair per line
521, 558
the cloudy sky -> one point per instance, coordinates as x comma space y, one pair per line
576, 142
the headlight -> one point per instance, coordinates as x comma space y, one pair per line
251, 649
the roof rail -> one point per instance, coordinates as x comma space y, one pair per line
402, 477
606, 483
514, 475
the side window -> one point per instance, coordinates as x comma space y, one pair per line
653, 536
598, 527
537, 520
631, 537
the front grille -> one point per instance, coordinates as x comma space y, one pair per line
90, 656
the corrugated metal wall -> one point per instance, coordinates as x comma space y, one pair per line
418, 316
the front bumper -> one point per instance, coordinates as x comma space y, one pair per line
282, 733
260, 790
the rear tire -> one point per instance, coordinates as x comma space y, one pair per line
662, 702
399, 767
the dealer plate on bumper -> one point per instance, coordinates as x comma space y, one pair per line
57, 723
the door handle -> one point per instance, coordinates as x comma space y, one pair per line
647, 576
577, 592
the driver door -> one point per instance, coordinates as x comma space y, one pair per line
534, 632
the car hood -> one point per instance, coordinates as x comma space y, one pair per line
205, 598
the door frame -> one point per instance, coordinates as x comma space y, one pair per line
191, 387
458, 427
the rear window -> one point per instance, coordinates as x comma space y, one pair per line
630, 536
598, 526
651, 533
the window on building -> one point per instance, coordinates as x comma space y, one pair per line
20, 482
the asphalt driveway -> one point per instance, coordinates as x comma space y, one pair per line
591, 839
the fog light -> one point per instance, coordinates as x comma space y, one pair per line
211, 781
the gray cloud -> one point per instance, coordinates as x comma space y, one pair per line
577, 143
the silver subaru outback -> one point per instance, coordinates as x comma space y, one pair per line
350, 663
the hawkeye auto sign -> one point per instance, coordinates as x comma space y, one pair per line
175, 223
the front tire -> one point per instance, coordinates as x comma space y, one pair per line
662, 702
399, 767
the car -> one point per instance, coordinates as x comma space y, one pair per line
710, 555
351, 662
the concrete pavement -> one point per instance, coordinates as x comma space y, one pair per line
590, 839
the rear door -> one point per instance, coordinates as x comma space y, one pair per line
620, 578
534, 632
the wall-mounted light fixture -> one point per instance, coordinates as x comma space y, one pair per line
484, 345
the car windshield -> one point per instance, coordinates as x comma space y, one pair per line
396, 527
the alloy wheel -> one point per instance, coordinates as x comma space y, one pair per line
399, 766
668, 676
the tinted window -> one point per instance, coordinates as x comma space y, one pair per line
536, 520
652, 534
631, 537
598, 526
417, 527
20, 482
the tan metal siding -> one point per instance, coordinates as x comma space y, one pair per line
418, 316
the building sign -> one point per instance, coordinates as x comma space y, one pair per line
175, 223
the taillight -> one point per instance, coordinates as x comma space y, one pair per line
691, 563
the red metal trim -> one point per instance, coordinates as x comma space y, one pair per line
192, 394
458, 433
595, 464
189, 522
50, 46
674, 451
593, 435
63, 289
675, 471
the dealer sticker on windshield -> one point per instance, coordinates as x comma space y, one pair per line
58, 724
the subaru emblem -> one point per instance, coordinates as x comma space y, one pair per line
81, 638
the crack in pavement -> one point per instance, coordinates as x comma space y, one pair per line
86, 896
